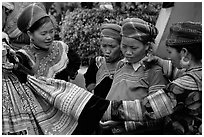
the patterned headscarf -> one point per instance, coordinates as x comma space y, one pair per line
111, 30
29, 16
139, 29
184, 33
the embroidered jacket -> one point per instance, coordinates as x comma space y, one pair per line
180, 104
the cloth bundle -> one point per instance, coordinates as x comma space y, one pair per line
41, 106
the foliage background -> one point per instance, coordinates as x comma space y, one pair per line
80, 27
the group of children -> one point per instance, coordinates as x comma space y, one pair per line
131, 76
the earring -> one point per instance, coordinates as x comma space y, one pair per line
184, 63
31, 40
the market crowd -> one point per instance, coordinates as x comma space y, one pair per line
129, 90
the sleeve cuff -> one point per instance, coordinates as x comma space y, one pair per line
161, 104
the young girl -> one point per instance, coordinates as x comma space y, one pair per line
99, 75
132, 81
43, 55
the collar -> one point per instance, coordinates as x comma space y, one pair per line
39, 48
135, 66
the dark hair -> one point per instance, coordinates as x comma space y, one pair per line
194, 49
39, 23
186, 35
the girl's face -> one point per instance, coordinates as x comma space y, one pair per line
175, 56
110, 48
44, 36
133, 50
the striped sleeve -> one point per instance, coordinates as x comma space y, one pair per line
132, 110
186, 82
167, 68
132, 125
161, 104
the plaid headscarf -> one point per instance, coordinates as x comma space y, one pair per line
139, 29
185, 33
111, 30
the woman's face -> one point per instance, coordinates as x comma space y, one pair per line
44, 36
133, 50
174, 56
110, 48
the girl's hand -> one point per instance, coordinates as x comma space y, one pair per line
147, 60
109, 124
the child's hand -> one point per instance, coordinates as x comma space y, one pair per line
109, 124
148, 60
91, 87
117, 127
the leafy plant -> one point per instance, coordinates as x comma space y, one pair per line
81, 28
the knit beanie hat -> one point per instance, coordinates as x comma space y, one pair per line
29, 16
111, 30
184, 33
139, 29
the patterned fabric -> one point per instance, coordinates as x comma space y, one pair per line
105, 69
129, 84
111, 31
180, 104
139, 29
131, 107
18, 107
55, 109
169, 70
134, 84
187, 116
67, 97
100, 73
134, 110
161, 104
47, 63
191, 80
185, 33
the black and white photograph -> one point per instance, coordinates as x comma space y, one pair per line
101, 68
